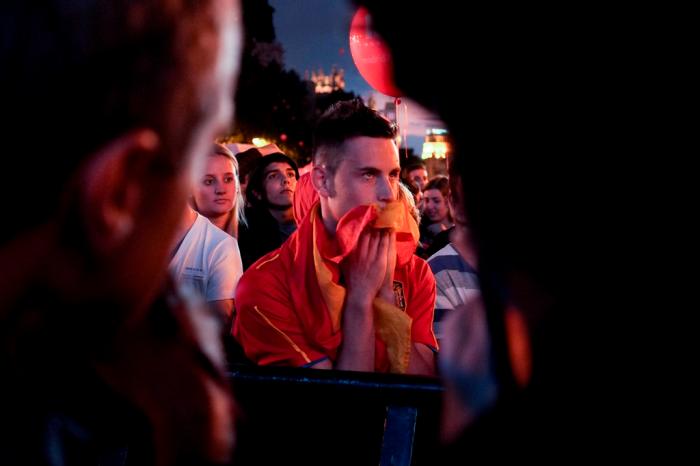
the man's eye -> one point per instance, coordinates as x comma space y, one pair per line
368, 176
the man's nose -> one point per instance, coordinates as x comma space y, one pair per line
384, 191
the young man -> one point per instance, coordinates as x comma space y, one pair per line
416, 173
345, 291
91, 362
269, 214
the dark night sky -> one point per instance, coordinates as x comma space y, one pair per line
314, 34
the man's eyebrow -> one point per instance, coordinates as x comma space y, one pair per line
368, 169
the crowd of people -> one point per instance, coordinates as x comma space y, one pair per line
145, 246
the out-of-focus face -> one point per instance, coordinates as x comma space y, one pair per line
419, 177
215, 193
166, 195
434, 205
280, 182
367, 174
217, 86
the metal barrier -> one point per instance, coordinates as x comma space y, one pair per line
309, 416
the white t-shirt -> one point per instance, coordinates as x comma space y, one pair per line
207, 262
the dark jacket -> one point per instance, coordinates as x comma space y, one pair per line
262, 235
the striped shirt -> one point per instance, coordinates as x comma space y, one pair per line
456, 281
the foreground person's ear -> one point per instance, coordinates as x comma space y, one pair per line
113, 184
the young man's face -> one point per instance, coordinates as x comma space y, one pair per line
419, 177
367, 174
279, 182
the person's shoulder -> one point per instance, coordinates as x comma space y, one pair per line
268, 263
445, 251
203, 227
416, 262
418, 269
268, 276
447, 258
215, 237
270, 268
211, 230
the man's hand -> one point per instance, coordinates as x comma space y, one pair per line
365, 269
365, 272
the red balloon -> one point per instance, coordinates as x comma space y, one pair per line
371, 55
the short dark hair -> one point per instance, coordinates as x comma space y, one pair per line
257, 177
111, 66
414, 163
408, 166
345, 120
247, 160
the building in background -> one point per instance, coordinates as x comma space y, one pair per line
436, 149
436, 144
327, 83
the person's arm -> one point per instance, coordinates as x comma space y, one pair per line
224, 273
466, 366
422, 360
357, 350
323, 364
224, 309
365, 272
421, 308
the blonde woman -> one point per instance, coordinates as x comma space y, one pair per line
217, 192
206, 260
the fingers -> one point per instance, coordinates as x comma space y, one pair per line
363, 244
370, 245
373, 245
384, 242
392, 243
390, 259
371, 265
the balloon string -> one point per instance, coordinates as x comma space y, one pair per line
403, 126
